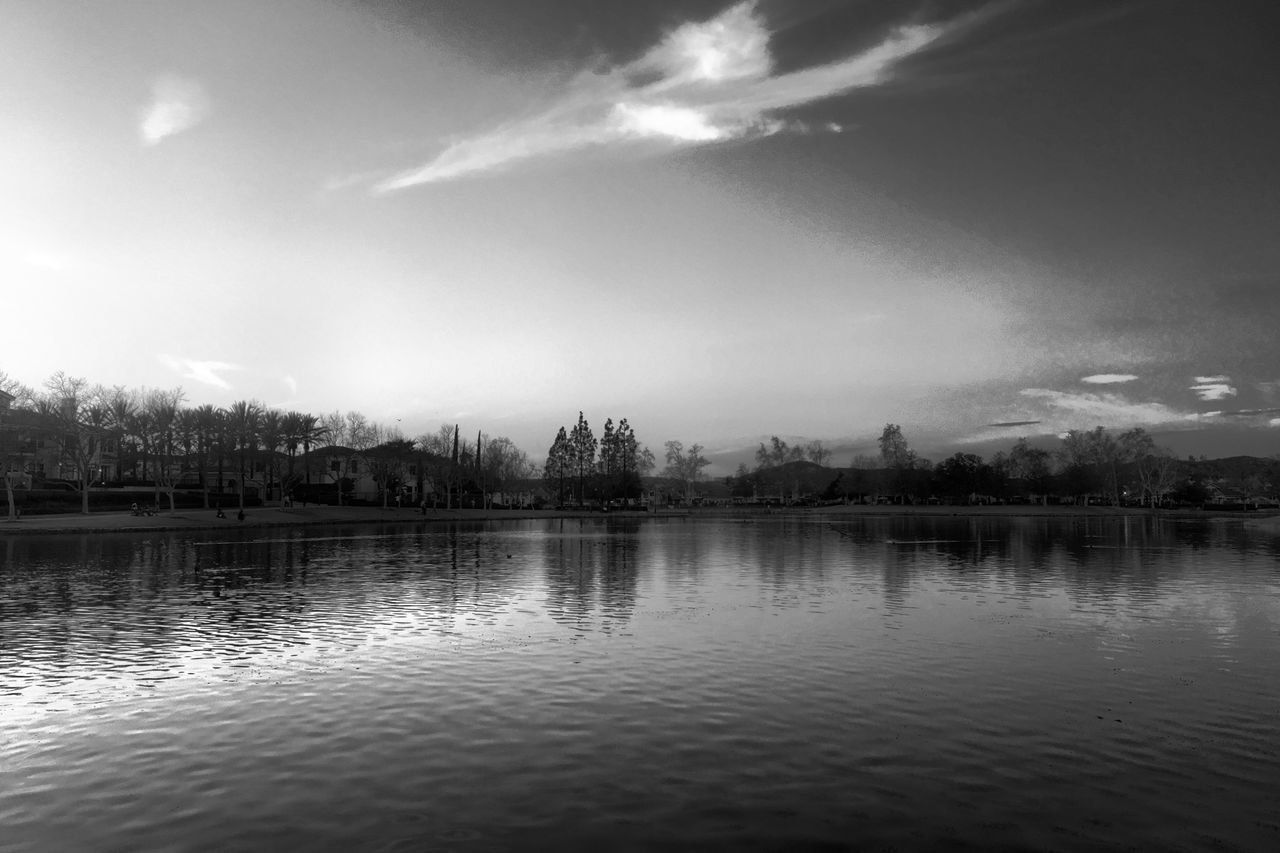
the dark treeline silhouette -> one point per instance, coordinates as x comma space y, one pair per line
1092, 467
74, 436
80, 437
582, 469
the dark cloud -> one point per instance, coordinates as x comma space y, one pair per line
509, 36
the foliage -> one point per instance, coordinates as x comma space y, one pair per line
685, 465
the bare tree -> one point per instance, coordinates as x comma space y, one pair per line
83, 419
817, 453
164, 409
685, 465
13, 394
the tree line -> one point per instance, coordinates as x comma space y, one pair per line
155, 439
581, 468
1098, 465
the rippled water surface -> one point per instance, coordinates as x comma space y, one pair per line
763, 683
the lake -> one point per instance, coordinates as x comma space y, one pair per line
766, 683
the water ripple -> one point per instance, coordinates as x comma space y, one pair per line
1080, 685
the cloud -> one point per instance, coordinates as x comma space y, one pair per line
705, 82
177, 104
1013, 423
293, 385
1213, 387
1246, 413
200, 371
1069, 410
1108, 378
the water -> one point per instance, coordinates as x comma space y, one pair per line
770, 683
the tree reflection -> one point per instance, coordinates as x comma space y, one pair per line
592, 566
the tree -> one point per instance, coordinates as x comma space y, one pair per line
559, 463
310, 433
453, 469
894, 450
206, 440
646, 462
123, 407
505, 465
13, 439
817, 453
272, 438
898, 457
164, 410
1031, 466
960, 475
771, 458
437, 453
387, 463
609, 461
1079, 475
244, 420
685, 465
1156, 468
621, 461
582, 443
83, 423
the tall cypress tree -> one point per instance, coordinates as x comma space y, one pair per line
453, 470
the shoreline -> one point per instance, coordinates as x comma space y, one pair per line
259, 517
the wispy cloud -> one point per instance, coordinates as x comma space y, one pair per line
1108, 378
705, 82
177, 104
1083, 410
1213, 387
200, 371
293, 385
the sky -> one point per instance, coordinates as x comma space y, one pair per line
721, 221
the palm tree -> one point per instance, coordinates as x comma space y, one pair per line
245, 417
207, 421
223, 443
272, 436
310, 433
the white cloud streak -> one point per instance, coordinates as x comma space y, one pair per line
1213, 388
1084, 410
1108, 378
205, 372
705, 82
177, 104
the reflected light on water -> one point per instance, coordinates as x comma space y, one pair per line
756, 683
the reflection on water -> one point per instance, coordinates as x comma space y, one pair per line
746, 683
